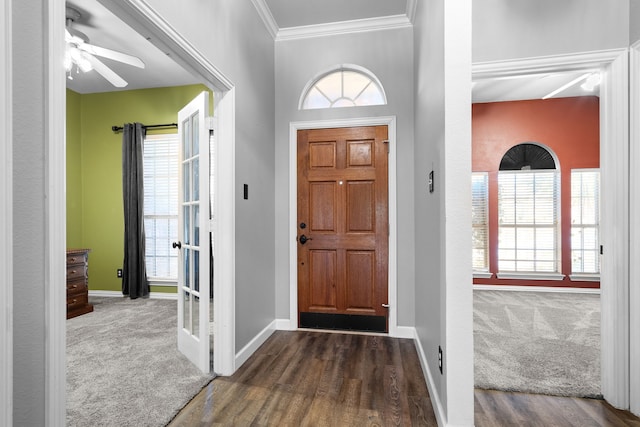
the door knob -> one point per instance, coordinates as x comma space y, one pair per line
176, 245
303, 239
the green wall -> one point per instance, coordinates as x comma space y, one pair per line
94, 169
74, 171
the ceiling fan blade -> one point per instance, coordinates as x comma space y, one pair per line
112, 54
106, 72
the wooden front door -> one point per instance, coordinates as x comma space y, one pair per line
343, 228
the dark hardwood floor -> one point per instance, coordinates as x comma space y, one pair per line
306, 378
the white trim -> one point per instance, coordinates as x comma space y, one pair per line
224, 233
6, 218
482, 275
563, 289
267, 17
118, 294
530, 276
284, 325
406, 332
255, 343
412, 6
634, 229
389, 121
441, 415
584, 277
614, 202
554, 63
145, 20
168, 283
614, 149
55, 217
344, 27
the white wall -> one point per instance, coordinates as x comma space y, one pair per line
509, 29
634, 21
6, 215
233, 38
443, 219
29, 139
388, 54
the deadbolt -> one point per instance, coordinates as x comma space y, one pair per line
303, 225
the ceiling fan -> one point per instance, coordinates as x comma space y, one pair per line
82, 56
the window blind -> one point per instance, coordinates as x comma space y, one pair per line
585, 221
161, 205
480, 220
528, 221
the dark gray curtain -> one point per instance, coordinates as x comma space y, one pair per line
134, 280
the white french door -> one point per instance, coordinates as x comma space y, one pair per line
193, 233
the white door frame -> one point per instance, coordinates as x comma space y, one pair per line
389, 121
614, 149
145, 20
140, 17
6, 220
634, 226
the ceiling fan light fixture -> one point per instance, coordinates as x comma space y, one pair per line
68, 62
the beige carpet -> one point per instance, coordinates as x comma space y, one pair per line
123, 365
534, 342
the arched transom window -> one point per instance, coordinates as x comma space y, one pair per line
346, 86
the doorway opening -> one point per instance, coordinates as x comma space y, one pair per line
146, 22
613, 151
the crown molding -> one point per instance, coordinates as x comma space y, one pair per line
344, 27
523, 66
267, 17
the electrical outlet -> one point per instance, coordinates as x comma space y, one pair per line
440, 359
119, 272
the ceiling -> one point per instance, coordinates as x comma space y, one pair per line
104, 29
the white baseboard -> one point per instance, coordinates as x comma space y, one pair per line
253, 345
537, 289
405, 332
118, 294
285, 325
441, 416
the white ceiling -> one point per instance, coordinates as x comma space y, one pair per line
106, 30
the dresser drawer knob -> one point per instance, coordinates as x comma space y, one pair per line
72, 259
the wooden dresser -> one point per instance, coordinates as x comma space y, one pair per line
77, 279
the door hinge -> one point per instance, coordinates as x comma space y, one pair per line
386, 142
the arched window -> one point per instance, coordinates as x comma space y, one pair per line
528, 211
345, 86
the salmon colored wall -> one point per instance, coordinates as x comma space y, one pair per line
569, 127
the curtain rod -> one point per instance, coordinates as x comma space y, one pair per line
166, 125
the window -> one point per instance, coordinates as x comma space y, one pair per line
585, 220
161, 205
528, 221
480, 220
348, 86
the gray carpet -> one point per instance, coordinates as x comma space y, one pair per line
545, 343
123, 365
